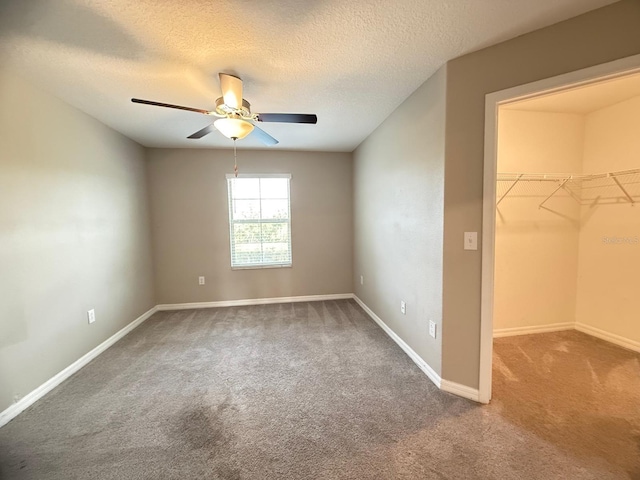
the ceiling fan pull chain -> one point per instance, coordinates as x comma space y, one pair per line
235, 160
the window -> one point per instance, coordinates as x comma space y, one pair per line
259, 221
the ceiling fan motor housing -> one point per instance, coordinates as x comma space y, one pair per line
225, 110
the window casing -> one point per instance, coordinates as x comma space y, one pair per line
260, 220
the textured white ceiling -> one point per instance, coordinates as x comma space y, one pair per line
350, 62
584, 99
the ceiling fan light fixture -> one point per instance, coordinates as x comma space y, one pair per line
233, 127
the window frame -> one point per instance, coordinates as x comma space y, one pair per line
232, 221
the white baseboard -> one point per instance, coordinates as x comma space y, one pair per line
554, 327
609, 337
254, 301
581, 327
460, 390
417, 359
29, 399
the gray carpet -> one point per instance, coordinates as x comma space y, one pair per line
291, 391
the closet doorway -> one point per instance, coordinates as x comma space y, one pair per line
561, 303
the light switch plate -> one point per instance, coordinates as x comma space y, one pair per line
432, 328
471, 240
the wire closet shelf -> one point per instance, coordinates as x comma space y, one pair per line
610, 187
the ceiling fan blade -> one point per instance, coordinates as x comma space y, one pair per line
287, 117
231, 87
201, 133
169, 105
263, 136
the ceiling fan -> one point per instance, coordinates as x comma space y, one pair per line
236, 120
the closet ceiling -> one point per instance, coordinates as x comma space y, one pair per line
350, 62
583, 100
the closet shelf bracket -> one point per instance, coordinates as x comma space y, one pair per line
509, 189
561, 186
626, 194
572, 195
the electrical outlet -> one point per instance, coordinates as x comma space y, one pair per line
91, 315
432, 328
403, 308
200, 280
361, 279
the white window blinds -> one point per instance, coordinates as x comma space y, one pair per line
259, 220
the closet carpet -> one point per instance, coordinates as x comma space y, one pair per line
318, 391
574, 391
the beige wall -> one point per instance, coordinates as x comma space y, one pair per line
608, 280
536, 256
74, 235
398, 205
597, 37
190, 224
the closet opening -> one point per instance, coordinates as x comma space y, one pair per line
561, 262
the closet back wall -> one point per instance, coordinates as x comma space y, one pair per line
189, 213
536, 258
608, 276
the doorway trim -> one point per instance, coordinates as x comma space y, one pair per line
586, 76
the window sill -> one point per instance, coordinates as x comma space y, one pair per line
260, 267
